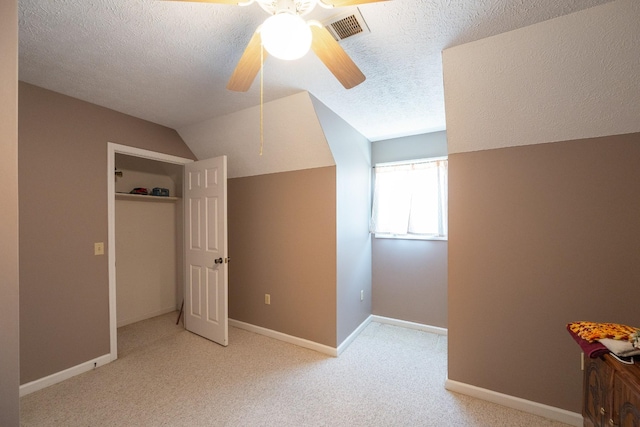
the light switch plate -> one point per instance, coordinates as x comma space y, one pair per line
98, 248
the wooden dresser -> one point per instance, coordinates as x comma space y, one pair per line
611, 395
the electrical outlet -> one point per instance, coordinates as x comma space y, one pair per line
98, 248
267, 299
362, 295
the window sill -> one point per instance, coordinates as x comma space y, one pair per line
408, 237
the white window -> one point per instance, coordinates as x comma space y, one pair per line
410, 200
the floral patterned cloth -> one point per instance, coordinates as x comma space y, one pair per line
592, 331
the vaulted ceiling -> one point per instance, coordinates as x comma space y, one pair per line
169, 62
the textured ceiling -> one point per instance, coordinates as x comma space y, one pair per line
169, 62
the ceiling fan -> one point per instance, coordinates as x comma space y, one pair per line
286, 35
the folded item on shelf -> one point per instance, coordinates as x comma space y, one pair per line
592, 349
620, 348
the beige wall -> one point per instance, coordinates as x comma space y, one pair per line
282, 241
543, 220
9, 329
410, 276
540, 236
64, 304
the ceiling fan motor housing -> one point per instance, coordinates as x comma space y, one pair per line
295, 7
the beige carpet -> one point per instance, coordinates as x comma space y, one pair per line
165, 376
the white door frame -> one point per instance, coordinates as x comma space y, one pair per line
112, 149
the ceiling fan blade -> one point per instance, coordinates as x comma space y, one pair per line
248, 66
335, 58
341, 3
231, 2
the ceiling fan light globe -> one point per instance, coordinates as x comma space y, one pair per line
286, 36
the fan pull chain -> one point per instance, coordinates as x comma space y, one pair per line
261, 97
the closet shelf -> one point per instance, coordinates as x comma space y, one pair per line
146, 198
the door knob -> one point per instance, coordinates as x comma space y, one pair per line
218, 261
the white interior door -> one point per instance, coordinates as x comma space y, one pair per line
206, 260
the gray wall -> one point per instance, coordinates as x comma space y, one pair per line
352, 154
64, 288
410, 276
9, 303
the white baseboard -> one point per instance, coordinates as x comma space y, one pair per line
347, 342
146, 316
513, 402
63, 375
409, 325
301, 342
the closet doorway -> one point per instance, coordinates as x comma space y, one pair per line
148, 239
155, 286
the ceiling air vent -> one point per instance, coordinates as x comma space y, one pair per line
347, 25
